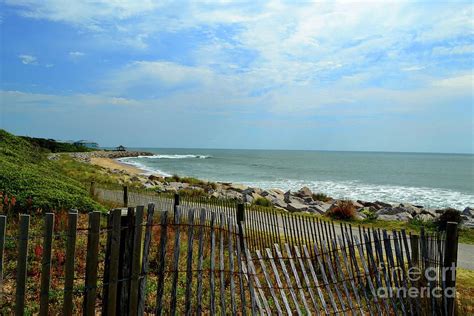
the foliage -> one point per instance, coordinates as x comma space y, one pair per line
36, 182
54, 146
370, 216
207, 186
321, 197
342, 209
449, 215
261, 201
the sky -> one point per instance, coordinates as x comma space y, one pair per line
335, 75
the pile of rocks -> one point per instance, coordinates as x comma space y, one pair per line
86, 156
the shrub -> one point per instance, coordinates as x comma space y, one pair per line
449, 215
342, 210
261, 201
321, 197
370, 216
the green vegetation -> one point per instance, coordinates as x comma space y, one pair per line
53, 146
261, 201
35, 182
321, 197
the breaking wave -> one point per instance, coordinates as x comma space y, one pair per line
189, 156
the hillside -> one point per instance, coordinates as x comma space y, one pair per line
36, 182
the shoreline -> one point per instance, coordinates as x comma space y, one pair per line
302, 200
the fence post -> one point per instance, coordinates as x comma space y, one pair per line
414, 243
125, 261
125, 196
46, 263
240, 219
92, 189
175, 205
449, 264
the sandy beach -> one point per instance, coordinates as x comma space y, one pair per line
110, 163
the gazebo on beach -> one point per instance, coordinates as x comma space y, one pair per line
120, 148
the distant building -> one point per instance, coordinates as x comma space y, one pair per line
86, 143
120, 148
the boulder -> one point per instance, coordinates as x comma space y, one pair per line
316, 209
469, 212
404, 217
383, 204
304, 193
296, 207
412, 209
279, 203
357, 204
153, 177
424, 217
287, 196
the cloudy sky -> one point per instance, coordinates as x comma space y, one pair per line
337, 75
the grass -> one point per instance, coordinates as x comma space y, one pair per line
465, 291
35, 182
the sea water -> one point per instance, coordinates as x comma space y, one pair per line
432, 180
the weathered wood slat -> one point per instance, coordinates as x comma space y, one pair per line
46, 263
69, 265
221, 264
175, 264
254, 297
231, 266
111, 302
401, 264
269, 282
305, 277
92, 261
378, 278
136, 257
318, 286
189, 263
240, 258
295, 276
279, 283
342, 279
202, 221
106, 272
331, 275
253, 272
162, 262
287, 279
212, 282
145, 266
22, 264
349, 270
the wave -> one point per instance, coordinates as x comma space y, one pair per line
146, 170
355, 190
175, 156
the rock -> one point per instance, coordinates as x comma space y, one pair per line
469, 224
238, 187
279, 203
304, 193
357, 204
404, 217
287, 196
383, 204
296, 207
468, 211
424, 217
413, 210
153, 177
316, 209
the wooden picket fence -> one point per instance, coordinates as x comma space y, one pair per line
193, 260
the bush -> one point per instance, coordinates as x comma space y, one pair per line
321, 197
261, 201
36, 182
370, 216
342, 210
449, 215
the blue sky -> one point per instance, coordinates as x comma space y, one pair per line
337, 75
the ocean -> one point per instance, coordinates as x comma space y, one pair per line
431, 180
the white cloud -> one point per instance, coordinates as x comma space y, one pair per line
28, 59
75, 56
